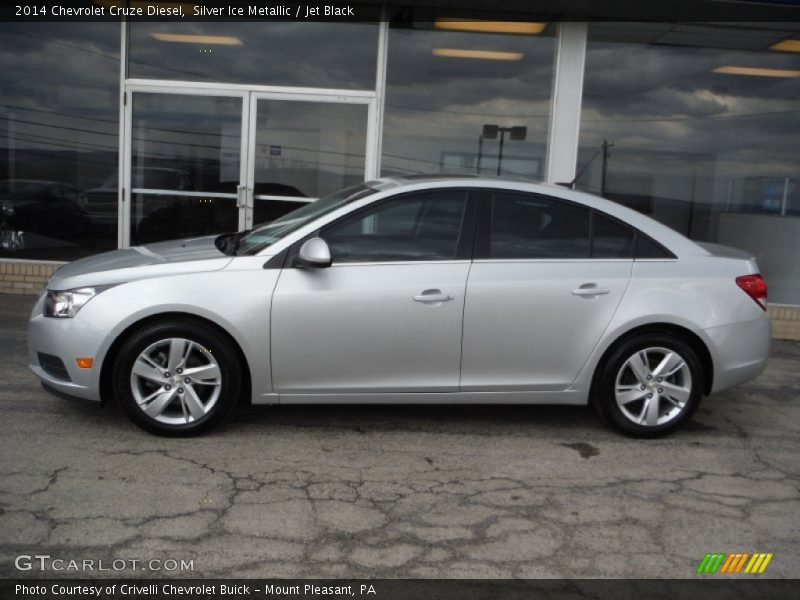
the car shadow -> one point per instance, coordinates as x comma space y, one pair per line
451, 418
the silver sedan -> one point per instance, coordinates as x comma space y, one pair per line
411, 290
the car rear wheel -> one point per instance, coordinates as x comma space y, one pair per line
177, 378
650, 385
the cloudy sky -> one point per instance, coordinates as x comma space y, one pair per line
666, 111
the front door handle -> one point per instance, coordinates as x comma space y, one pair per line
590, 290
433, 296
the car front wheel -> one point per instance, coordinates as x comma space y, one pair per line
177, 378
650, 385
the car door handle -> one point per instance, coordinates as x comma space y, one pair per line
589, 290
433, 296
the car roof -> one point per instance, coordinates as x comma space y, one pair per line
396, 181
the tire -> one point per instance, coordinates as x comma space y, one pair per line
177, 377
641, 395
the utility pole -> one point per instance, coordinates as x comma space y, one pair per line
500, 153
480, 154
604, 175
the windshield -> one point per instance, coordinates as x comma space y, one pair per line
268, 234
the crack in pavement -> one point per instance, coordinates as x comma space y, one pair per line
405, 491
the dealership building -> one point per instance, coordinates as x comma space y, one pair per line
120, 134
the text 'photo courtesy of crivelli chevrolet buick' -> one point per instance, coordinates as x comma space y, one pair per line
410, 290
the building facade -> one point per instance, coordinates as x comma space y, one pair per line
120, 134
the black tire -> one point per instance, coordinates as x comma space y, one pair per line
604, 396
206, 339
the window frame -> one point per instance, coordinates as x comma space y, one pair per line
466, 236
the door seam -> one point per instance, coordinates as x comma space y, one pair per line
463, 319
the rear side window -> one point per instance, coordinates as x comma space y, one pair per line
647, 247
611, 238
527, 226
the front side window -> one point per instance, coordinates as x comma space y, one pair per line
524, 226
418, 227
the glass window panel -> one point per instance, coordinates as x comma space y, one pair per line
159, 217
412, 228
308, 54
186, 143
59, 122
701, 127
189, 145
308, 149
526, 226
444, 85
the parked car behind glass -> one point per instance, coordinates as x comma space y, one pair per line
35, 212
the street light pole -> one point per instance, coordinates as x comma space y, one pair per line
490, 133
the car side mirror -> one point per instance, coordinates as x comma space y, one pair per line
314, 254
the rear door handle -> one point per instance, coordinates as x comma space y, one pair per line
433, 296
589, 290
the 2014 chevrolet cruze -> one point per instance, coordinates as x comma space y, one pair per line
411, 290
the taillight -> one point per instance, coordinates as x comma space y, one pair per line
755, 287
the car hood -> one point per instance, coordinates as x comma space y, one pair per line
141, 262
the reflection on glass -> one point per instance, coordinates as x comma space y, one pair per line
308, 54
710, 151
156, 218
189, 145
308, 149
445, 84
58, 138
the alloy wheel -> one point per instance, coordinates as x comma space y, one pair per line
653, 386
175, 381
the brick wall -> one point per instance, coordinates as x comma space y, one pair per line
785, 322
21, 277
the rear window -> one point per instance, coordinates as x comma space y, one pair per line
647, 247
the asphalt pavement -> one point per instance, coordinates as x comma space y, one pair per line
395, 491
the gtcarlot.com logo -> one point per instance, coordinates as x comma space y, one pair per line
734, 563
45, 562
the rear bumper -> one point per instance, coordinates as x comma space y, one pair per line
739, 351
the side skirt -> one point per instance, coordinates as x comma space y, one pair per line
571, 397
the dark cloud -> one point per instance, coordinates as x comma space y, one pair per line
437, 106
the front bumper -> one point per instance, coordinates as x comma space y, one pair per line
66, 339
740, 351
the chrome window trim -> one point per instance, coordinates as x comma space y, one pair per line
400, 262
551, 260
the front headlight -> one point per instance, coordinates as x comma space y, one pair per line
66, 304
